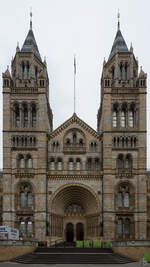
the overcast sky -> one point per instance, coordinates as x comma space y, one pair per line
84, 27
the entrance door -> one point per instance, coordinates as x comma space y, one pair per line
80, 231
69, 232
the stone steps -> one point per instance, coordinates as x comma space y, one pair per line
73, 256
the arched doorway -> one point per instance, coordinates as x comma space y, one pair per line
73, 204
79, 231
69, 232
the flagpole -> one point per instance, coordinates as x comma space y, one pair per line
74, 84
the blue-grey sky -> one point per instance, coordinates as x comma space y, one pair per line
84, 27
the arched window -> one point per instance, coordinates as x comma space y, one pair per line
126, 200
25, 116
29, 162
78, 164
29, 199
115, 116
70, 164
25, 196
128, 162
119, 199
96, 164
126, 71
74, 139
81, 142
52, 164
34, 114
120, 227
17, 116
120, 162
22, 227
21, 162
123, 197
29, 227
14, 141
22, 199
57, 146
68, 142
59, 166
23, 67
36, 73
28, 68
89, 164
131, 116
127, 227
121, 71
123, 116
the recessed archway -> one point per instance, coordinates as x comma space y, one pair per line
76, 204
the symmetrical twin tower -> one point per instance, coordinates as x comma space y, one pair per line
75, 183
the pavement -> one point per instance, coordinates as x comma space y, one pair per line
135, 264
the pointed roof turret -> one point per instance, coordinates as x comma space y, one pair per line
30, 44
119, 44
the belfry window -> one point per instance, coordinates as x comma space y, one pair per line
28, 68
23, 68
126, 71
121, 71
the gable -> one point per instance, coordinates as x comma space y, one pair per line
74, 123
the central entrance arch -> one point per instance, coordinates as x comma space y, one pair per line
74, 212
69, 232
79, 231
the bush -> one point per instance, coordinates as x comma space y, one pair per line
86, 244
79, 244
97, 244
108, 244
147, 257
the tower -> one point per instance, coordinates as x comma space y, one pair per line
27, 121
121, 121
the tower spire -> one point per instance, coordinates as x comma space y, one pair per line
30, 18
118, 20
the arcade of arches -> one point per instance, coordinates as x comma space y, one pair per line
75, 214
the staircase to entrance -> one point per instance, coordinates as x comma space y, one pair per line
73, 255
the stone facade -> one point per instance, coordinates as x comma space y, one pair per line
73, 182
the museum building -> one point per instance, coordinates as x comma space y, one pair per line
72, 182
